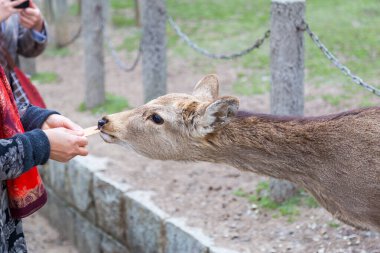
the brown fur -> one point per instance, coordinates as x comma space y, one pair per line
335, 157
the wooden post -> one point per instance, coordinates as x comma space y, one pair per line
154, 48
93, 21
47, 10
28, 65
61, 16
287, 71
137, 13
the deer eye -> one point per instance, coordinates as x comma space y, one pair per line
157, 119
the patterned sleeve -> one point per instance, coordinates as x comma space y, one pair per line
33, 117
21, 152
27, 45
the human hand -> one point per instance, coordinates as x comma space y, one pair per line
56, 120
31, 17
65, 144
7, 8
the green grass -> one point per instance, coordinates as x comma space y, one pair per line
45, 77
348, 28
130, 43
112, 104
366, 102
333, 224
289, 208
252, 84
121, 4
120, 21
74, 9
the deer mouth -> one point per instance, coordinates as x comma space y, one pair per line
109, 138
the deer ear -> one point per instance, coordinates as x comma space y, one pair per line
218, 113
207, 89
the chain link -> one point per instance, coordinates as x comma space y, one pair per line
73, 39
117, 59
205, 52
337, 63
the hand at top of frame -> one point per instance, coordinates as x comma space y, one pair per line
7, 8
31, 17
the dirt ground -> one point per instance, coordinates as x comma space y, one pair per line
200, 192
42, 237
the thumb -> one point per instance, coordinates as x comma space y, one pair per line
71, 125
32, 4
73, 132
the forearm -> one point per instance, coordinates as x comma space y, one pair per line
21, 152
33, 117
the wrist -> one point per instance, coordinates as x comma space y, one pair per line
39, 26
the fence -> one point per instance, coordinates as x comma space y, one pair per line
286, 97
286, 35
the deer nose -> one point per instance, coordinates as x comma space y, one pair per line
102, 122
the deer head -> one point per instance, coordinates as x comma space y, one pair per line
172, 126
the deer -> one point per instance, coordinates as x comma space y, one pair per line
336, 158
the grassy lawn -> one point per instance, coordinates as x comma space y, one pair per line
260, 199
350, 29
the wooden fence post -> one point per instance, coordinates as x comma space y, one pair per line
28, 65
61, 24
287, 71
137, 13
93, 22
47, 10
154, 48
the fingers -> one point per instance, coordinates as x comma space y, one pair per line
82, 151
13, 4
57, 121
32, 4
26, 21
66, 144
79, 132
81, 141
31, 18
66, 123
7, 8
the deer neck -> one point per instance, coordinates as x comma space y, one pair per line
268, 145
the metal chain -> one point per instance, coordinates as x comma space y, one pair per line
77, 34
117, 59
337, 63
205, 52
73, 39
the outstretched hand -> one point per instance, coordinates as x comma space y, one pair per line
56, 121
65, 137
66, 144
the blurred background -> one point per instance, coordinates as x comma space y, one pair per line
108, 56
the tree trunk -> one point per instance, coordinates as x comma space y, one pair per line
154, 48
61, 22
93, 21
137, 13
287, 72
28, 65
47, 10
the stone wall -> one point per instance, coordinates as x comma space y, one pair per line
100, 215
